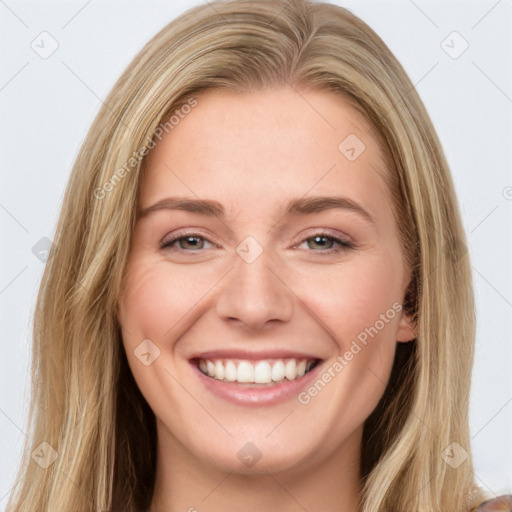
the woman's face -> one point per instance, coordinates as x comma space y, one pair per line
266, 247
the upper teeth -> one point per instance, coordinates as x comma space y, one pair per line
259, 372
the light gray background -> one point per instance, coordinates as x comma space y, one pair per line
47, 105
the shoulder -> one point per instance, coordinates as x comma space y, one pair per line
500, 504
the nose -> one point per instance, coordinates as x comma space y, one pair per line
254, 295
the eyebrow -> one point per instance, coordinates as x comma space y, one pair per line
295, 207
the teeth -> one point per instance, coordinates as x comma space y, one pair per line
245, 372
210, 367
219, 370
259, 372
290, 370
278, 371
262, 373
230, 371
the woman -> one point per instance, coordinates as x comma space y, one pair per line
197, 346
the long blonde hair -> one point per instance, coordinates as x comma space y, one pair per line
85, 403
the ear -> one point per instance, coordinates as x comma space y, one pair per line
407, 323
406, 328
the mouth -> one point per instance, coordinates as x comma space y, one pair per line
255, 379
258, 372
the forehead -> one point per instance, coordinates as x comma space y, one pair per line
260, 149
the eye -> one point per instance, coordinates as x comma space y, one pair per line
323, 243
187, 242
326, 243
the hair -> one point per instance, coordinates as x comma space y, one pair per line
84, 401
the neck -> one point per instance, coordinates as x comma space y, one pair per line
186, 484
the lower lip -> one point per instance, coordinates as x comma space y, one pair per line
252, 395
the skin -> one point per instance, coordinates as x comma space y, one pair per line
252, 153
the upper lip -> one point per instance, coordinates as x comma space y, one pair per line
253, 355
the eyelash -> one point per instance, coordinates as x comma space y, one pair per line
343, 244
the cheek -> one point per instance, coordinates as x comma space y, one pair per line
355, 300
157, 301
358, 305
159, 304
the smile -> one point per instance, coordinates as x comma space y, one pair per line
264, 371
